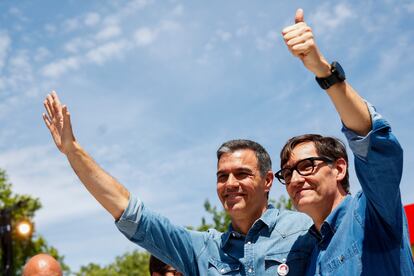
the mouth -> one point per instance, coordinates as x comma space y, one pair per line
232, 196
299, 193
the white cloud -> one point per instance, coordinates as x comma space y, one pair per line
5, 42
77, 44
57, 68
178, 10
108, 32
71, 24
267, 42
223, 35
47, 176
20, 72
145, 36
92, 19
242, 31
104, 52
41, 54
327, 20
169, 26
17, 13
50, 28
409, 7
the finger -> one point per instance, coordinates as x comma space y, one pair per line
48, 122
299, 16
56, 98
299, 39
302, 48
56, 106
291, 28
46, 105
49, 103
66, 122
297, 33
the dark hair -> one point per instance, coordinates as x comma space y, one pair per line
325, 146
264, 162
155, 265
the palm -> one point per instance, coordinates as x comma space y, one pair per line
58, 126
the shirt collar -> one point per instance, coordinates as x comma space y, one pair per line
332, 222
268, 218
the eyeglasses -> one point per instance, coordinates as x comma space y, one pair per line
304, 167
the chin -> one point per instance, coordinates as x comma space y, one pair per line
235, 207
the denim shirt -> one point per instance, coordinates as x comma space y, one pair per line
276, 237
367, 234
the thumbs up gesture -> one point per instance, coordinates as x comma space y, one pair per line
300, 42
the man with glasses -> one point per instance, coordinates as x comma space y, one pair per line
361, 235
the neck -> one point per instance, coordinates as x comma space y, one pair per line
243, 223
319, 215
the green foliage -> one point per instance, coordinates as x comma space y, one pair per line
220, 218
132, 263
283, 203
23, 249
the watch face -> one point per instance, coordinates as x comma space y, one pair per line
339, 71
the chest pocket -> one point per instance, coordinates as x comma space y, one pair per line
296, 261
334, 262
216, 267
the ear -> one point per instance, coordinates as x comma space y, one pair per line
268, 180
341, 168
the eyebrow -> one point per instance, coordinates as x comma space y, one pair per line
242, 169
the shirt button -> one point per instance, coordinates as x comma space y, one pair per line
249, 242
250, 270
222, 270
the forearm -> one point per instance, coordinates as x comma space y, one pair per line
348, 103
106, 189
351, 108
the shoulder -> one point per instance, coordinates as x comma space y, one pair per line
293, 220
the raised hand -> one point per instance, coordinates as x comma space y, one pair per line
300, 42
58, 122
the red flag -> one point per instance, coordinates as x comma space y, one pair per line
409, 211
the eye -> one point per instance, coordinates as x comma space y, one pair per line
286, 174
222, 177
241, 175
305, 166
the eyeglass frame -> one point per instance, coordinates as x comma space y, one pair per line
325, 159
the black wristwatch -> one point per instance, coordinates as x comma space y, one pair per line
337, 75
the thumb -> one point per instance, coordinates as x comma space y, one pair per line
67, 129
299, 16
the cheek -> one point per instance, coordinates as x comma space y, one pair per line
289, 190
220, 188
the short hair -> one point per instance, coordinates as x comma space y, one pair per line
326, 146
156, 265
264, 162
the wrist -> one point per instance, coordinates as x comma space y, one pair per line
323, 70
72, 148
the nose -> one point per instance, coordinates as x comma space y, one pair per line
232, 181
296, 178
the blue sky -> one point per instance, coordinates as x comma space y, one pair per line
154, 87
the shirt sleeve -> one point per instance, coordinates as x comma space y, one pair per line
378, 166
170, 243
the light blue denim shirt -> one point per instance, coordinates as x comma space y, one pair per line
277, 237
367, 234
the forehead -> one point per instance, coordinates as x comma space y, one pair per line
242, 157
302, 151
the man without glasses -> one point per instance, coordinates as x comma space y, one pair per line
260, 239
362, 235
